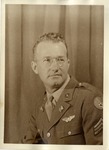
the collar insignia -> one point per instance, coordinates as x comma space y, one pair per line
61, 109
41, 108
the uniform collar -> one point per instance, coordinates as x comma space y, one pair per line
67, 91
66, 100
72, 83
57, 93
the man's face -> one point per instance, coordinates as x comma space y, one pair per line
51, 64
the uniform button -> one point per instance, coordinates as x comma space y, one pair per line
80, 84
67, 95
69, 133
48, 134
38, 130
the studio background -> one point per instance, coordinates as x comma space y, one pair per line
82, 27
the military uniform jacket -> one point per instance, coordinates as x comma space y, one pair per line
76, 119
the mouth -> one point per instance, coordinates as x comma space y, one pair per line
55, 75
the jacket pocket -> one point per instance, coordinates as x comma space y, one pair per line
69, 131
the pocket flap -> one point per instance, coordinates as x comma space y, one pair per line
67, 131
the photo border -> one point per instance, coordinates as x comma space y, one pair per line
105, 145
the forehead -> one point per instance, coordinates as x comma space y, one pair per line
51, 48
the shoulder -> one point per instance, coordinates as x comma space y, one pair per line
91, 95
82, 90
88, 88
83, 87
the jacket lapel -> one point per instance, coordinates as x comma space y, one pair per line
58, 112
64, 103
62, 106
42, 117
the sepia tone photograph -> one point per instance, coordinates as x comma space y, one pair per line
54, 74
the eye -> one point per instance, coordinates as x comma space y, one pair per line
46, 60
61, 59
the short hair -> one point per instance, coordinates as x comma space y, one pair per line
54, 37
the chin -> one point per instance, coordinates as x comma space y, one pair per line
56, 81
57, 84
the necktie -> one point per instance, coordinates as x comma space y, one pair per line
49, 107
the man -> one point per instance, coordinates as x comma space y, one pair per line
69, 112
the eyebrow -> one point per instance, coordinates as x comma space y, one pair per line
53, 57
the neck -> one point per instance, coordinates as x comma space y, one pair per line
56, 86
51, 89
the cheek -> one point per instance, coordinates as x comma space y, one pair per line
65, 69
42, 71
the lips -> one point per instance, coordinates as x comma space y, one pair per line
55, 75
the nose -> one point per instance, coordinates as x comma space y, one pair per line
54, 65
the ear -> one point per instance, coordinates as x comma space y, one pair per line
68, 62
34, 67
